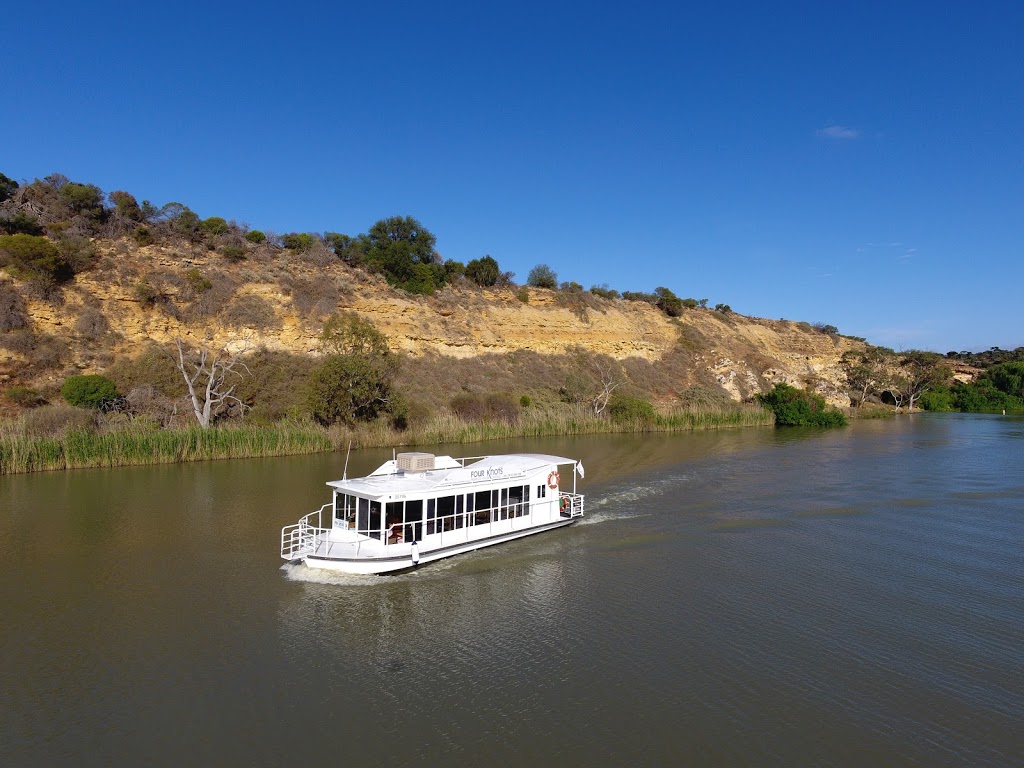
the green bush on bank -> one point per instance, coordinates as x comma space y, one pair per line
797, 408
89, 391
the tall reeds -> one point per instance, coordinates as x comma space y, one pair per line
138, 444
124, 446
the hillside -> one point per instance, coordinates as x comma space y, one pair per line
461, 338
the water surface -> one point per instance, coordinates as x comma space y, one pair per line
758, 597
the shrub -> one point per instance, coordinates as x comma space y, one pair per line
542, 276
197, 281
215, 225
299, 241
57, 419
668, 302
232, 252
92, 323
251, 311
89, 391
523, 294
20, 223
483, 271
486, 408
13, 316
604, 291
78, 252
525, 401
797, 408
142, 236
255, 236
626, 408
31, 257
25, 397
146, 293
725, 309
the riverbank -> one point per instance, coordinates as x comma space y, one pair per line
137, 443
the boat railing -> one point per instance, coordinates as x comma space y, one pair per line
575, 503
300, 539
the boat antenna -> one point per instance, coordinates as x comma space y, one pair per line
344, 473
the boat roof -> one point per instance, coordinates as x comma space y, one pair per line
448, 472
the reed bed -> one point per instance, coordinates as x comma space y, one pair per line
127, 446
133, 444
446, 427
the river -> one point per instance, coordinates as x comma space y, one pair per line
751, 597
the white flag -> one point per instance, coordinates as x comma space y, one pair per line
579, 468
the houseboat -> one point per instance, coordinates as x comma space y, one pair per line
418, 508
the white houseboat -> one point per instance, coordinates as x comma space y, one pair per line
418, 508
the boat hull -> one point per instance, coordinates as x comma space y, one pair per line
393, 564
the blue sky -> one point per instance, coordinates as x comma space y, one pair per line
857, 164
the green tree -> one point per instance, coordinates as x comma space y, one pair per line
299, 241
354, 381
126, 206
866, 372
542, 276
797, 408
83, 199
668, 302
349, 334
403, 250
215, 225
89, 391
483, 271
922, 371
348, 249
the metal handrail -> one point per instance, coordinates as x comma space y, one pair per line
300, 538
575, 502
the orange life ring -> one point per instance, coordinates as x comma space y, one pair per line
553, 480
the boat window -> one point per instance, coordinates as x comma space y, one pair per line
375, 519
414, 520
445, 511
362, 515
368, 518
482, 505
515, 502
393, 523
431, 514
344, 508
503, 507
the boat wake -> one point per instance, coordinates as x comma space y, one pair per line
301, 572
628, 501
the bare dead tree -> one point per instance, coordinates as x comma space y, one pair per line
206, 373
606, 374
897, 390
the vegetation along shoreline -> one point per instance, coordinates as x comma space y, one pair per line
132, 333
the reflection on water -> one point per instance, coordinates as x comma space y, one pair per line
761, 597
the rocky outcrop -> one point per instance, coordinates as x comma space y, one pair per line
135, 296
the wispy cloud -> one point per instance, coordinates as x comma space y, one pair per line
839, 132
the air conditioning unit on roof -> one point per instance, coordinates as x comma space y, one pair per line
415, 462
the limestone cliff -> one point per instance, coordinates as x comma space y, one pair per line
138, 295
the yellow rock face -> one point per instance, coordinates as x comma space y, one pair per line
744, 355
